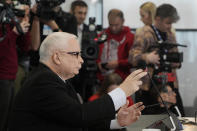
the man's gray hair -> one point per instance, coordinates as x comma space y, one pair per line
53, 42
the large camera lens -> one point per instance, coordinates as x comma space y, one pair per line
90, 51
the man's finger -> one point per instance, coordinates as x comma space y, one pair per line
140, 75
136, 72
139, 83
137, 105
141, 108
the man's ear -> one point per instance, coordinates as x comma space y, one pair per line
56, 59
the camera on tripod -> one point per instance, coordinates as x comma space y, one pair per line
45, 8
91, 43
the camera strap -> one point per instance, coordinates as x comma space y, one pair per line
158, 35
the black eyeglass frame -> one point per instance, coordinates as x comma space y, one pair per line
74, 53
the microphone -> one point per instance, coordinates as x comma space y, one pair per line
142, 65
158, 104
162, 101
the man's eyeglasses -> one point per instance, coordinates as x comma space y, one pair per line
74, 53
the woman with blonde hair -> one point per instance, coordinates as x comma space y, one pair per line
147, 12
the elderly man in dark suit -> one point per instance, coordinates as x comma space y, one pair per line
47, 102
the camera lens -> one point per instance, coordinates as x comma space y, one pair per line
90, 51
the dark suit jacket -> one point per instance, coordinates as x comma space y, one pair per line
46, 103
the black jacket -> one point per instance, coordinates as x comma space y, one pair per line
47, 103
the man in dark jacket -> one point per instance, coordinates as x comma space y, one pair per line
48, 102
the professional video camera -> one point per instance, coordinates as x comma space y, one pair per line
163, 72
90, 51
45, 8
90, 44
167, 57
9, 14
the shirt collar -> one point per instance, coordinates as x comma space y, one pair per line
80, 27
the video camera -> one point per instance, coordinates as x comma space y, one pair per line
167, 57
45, 8
9, 14
90, 44
8, 11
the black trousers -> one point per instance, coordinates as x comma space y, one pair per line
6, 100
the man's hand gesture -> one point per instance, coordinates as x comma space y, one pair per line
128, 115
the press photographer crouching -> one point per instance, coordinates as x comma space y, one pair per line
155, 45
51, 18
14, 33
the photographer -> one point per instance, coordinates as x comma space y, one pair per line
49, 17
14, 34
151, 35
113, 54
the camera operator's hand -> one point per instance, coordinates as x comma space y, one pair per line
101, 68
112, 64
152, 58
34, 9
24, 26
51, 23
131, 84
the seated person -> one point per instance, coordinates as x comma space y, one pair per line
110, 82
157, 107
168, 96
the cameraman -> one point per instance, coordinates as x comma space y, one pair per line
49, 17
8, 58
113, 54
150, 35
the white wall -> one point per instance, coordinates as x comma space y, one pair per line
186, 8
187, 74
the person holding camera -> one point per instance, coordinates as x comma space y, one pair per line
13, 35
113, 54
48, 17
147, 37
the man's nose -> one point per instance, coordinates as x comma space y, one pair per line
81, 60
